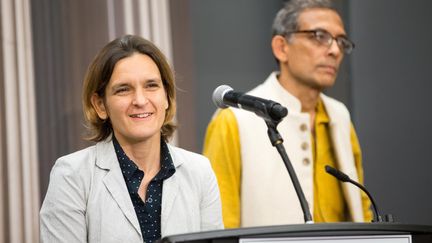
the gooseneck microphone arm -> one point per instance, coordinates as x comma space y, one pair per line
345, 178
277, 141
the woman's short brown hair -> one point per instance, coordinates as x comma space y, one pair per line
99, 74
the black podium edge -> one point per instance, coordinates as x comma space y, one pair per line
303, 229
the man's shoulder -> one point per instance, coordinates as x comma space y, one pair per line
265, 88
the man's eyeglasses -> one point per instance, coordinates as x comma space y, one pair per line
323, 37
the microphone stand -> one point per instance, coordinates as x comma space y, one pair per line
377, 215
277, 141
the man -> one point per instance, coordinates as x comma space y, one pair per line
309, 42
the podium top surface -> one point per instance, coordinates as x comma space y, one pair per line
299, 230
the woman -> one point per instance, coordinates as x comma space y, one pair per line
131, 186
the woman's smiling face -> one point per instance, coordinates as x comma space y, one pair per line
135, 100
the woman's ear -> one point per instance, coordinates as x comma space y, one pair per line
280, 48
166, 104
99, 106
166, 100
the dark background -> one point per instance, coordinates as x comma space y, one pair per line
385, 83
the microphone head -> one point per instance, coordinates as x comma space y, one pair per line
330, 170
218, 95
338, 174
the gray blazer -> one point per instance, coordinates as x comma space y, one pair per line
88, 201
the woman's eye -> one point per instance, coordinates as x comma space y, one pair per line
153, 85
121, 90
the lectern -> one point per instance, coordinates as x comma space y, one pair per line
312, 233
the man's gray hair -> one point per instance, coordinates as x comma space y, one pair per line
286, 19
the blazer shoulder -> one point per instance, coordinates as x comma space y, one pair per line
77, 161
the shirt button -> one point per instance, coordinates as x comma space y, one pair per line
304, 146
303, 127
306, 161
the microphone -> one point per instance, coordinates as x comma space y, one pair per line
345, 178
224, 96
272, 112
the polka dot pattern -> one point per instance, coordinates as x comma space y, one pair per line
148, 212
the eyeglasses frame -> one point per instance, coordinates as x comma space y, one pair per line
330, 41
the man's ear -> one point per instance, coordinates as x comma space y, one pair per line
280, 48
99, 106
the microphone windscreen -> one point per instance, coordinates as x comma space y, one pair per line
218, 95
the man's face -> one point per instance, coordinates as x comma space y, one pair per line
309, 62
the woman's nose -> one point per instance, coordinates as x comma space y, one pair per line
139, 98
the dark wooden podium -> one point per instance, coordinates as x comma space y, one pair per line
308, 233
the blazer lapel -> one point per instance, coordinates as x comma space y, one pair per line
114, 181
169, 194
169, 191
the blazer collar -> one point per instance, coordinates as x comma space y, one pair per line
105, 154
281, 94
